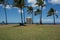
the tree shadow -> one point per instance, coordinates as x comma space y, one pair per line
19, 25
16, 26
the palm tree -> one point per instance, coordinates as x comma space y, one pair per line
52, 12
41, 4
4, 2
20, 4
30, 11
37, 12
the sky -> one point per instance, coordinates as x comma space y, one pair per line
13, 13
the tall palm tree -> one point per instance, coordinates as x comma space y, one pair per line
30, 11
20, 4
52, 12
41, 4
4, 2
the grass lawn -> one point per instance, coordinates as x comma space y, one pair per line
30, 32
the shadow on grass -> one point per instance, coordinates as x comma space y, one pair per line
19, 25
16, 26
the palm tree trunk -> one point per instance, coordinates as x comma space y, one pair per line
41, 16
21, 17
54, 18
5, 14
24, 18
32, 18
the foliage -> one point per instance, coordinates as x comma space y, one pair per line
38, 11
40, 2
19, 3
52, 12
29, 9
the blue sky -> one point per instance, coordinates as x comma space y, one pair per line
13, 13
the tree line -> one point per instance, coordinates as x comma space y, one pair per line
21, 4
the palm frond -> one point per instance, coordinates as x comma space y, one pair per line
19, 3
40, 2
29, 9
56, 16
51, 12
38, 11
43, 5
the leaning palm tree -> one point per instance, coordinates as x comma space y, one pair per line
52, 12
20, 4
41, 4
4, 2
30, 11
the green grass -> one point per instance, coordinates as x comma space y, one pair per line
30, 32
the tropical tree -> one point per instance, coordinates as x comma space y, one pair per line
52, 12
20, 4
30, 11
40, 4
4, 2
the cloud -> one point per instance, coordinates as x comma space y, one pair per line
57, 20
47, 20
44, 2
28, 17
1, 5
54, 1
15, 7
44, 7
32, 3
20, 11
57, 12
50, 20
8, 7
